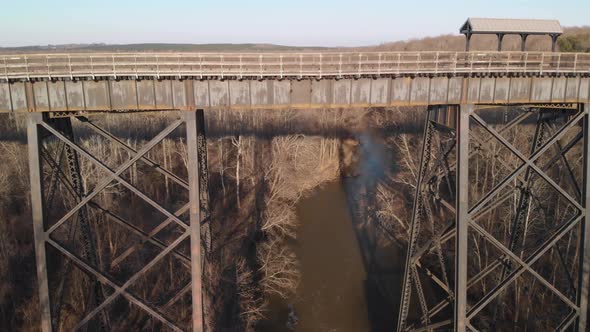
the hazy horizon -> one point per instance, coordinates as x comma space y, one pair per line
330, 23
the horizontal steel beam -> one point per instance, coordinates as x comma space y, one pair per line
130, 94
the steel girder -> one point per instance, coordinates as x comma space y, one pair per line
520, 231
51, 145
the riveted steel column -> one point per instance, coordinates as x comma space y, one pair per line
585, 256
462, 217
407, 281
34, 140
194, 125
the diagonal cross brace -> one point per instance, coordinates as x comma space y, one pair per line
522, 263
121, 290
131, 150
543, 248
481, 203
138, 232
149, 236
114, 175
145, 237
528, 162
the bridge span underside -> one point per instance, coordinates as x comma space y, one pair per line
188, 94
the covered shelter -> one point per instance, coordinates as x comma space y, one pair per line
502, 27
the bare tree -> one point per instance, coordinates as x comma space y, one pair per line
252, 306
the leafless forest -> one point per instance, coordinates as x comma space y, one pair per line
260, 164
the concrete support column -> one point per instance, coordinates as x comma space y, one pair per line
35, 172
462, 216
195, 125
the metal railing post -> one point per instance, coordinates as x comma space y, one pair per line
436, 63
27, 67
179, 69
340, 66
157, 66
5, 68
48, 70
321, 59
92, 67
261, 65
221, 59
300, 65
508, 62
200, 65
241, 68
281, 61
419, 62
71, 74
114, 67
360, 64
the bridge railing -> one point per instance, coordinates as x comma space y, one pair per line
287, 65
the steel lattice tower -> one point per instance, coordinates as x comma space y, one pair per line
499, 230
182, 239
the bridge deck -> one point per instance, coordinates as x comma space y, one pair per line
288, 65
182, 81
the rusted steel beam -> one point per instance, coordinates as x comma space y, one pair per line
195, 126
35, 169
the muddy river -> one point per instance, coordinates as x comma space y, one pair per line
331, 296
351, 274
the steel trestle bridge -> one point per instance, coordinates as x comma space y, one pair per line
444, 287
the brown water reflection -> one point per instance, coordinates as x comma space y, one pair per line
351, 272
331, 296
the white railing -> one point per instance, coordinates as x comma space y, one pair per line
287, 65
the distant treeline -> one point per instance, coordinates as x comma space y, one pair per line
574, 39
158, 47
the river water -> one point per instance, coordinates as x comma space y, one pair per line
331, 296
349, 279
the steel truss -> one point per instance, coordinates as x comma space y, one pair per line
55, 158
508, 250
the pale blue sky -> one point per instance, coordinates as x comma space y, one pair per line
293, 22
